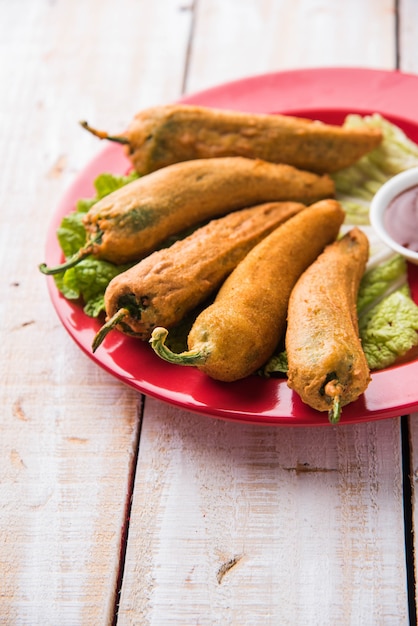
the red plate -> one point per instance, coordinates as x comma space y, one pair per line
327, 94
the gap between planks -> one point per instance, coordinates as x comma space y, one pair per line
407, 491
128, 508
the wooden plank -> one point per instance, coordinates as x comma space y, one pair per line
237, 39
408, 34
413, 476
239, 524
69, 431
408, 62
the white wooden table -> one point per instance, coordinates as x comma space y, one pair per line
121, 509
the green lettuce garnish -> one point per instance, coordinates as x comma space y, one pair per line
104, 185
377, 281
71, 233
387, 313
88, 280
388, 317
277, 364
357, 184
390, 329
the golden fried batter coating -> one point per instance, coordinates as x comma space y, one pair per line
163, 135
326, 360
162, 288
243, 326
135, 219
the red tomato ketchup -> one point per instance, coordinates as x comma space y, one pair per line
401, 218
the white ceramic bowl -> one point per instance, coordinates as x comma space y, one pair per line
380, 202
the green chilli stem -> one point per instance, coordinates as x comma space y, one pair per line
107, 327
73, 260
103, 135
332, 389
190, 357
334, 413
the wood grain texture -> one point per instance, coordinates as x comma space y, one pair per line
408, 62
243, 525
69, 432
230, 524
236, 39
408, 36
238, 524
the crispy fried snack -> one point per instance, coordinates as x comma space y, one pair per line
236, 334
166, 285
163, 135
327, 365
135, 219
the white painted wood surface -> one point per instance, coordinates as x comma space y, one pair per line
408, 53
230, 524
312, 518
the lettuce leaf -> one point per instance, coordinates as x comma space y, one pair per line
71, 234
387, 314
277, 364
378, 281
390, 329
88, 280
104, 185
388, 317
357, 184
